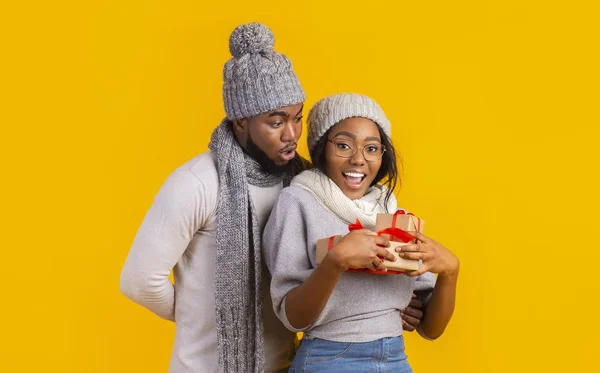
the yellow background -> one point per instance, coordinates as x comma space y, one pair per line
494, 109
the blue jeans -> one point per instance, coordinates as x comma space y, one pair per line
380, 356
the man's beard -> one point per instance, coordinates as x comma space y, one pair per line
264, 161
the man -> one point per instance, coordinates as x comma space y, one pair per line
206, 222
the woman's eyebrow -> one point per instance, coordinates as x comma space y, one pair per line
353, 136
344, 133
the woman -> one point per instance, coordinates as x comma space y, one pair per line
351, 320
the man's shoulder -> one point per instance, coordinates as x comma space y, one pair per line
203, 166
195, 179
198, 171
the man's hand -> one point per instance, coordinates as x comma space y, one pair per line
412, 314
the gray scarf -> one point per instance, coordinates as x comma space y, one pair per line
238, 294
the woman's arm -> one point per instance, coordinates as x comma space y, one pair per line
440, 307
358, 249
306, 302
437, 259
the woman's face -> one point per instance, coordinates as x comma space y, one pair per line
355, 174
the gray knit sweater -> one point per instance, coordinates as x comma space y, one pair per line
363, 306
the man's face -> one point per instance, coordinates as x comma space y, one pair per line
271, 138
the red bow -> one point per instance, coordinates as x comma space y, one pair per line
395, 233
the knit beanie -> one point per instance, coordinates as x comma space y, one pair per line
257, 79
333, 109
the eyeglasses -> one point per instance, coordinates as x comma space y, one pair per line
346, 149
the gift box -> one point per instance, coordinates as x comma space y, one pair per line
402, 220
400, 264
324, 245
395, 226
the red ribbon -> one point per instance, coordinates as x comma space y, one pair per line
394, 232
403, 212
355, 226
397, 234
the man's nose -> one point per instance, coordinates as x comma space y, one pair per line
289, 133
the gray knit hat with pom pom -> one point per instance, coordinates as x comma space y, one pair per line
257, 79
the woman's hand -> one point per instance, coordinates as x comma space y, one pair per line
436, 258
360, 249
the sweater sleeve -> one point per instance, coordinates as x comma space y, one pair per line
178, 212
425, 283
286, 252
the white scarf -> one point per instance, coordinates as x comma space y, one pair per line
331, 197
